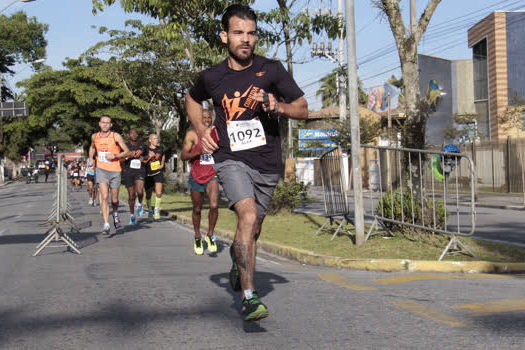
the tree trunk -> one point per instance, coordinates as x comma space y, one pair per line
415, 122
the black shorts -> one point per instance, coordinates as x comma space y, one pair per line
90, 178
130, 176
151, 180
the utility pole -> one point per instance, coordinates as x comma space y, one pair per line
334, 56
354, 124
341, 77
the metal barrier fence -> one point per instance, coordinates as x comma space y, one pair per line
408, 187
335, 183
60, 214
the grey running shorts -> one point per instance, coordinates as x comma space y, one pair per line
108, 177
239, 181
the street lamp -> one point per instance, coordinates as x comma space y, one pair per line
14, 2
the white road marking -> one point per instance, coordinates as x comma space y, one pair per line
2, 232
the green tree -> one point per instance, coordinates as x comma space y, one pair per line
21, 41
72, 100
329, 93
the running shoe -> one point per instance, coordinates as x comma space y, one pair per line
212, 245
253, 309
156, 216
235, 278
116, 222
150, 215
197, 246
140, 210
106, 229
90, 202
132, 220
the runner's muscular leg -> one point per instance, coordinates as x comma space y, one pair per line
139, 189
158, 189
196, 201
212, 189
103, 192
131, 199
243, 243
114, 199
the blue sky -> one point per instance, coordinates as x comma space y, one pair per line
70, 34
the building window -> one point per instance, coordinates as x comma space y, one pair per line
481, 83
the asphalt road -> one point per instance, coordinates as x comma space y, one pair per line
145, 289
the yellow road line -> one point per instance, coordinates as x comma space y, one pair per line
432, 314
423, 277
343, 282
494, 306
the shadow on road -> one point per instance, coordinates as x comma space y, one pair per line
122, 320
265, 285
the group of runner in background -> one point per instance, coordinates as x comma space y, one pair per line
113, 160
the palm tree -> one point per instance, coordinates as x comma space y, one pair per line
329, 92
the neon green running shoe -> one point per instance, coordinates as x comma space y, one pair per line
253, 309
212, 245
197, 246
150, 215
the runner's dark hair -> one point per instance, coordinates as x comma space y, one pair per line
241, 11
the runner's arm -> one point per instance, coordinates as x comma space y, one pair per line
125, 150
189, 142
92, 153
194, 110
297, 109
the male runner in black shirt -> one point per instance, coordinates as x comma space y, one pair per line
134, 173
248, 92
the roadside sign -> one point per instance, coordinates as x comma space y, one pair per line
316, 139
14, 109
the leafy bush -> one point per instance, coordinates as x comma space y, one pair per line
288, 196
400, 206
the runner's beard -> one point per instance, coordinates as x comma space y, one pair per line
241, 60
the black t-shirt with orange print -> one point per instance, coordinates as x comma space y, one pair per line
232, 94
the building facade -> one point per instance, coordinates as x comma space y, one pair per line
447, 86
498, 51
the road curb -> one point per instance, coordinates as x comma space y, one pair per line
385, 265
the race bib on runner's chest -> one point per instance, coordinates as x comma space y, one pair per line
135, 164
102, 157
207, 159
155, 165
245, 134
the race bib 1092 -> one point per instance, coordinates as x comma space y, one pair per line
245, 134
